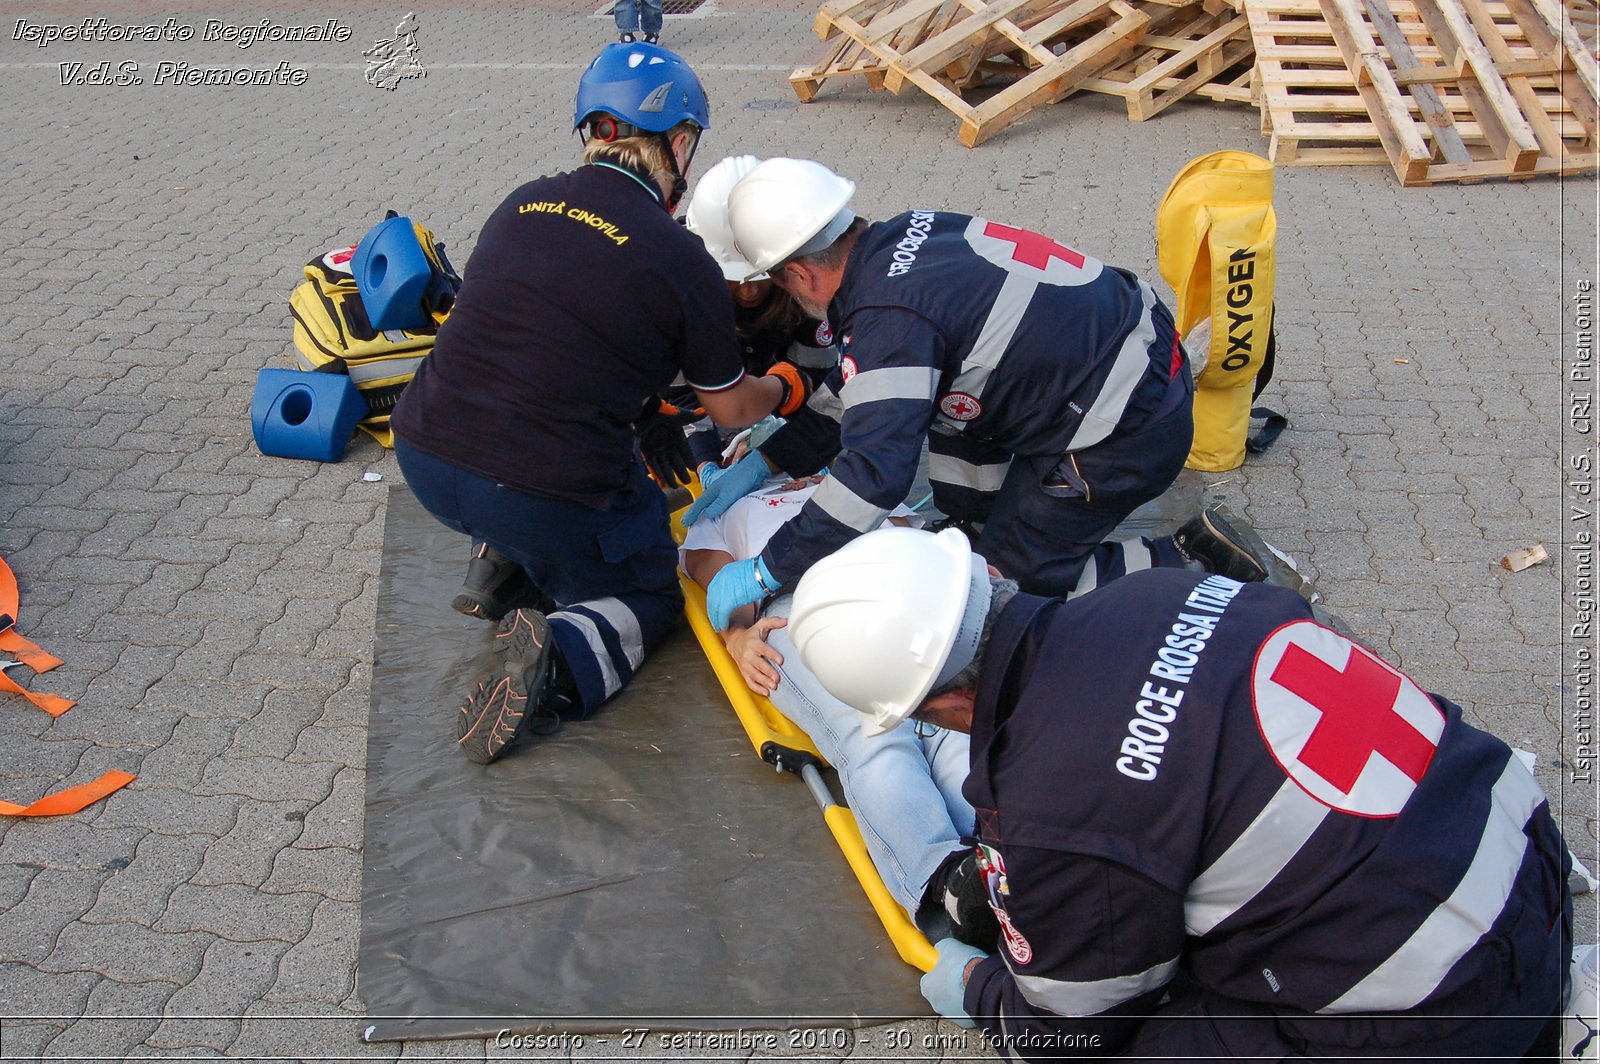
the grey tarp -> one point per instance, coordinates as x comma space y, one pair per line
640, 866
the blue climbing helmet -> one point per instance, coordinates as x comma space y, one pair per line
642, 86
642, 90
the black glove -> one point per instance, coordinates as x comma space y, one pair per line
970, 528
663, 444
957, 894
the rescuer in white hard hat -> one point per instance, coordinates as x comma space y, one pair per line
775, 335
707, 217
1051, 391
1210, 826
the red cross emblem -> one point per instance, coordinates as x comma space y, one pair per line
1354, 733
1030, 255
339, 258
959, 406
1033, 248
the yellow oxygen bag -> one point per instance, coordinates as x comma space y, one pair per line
1215, 231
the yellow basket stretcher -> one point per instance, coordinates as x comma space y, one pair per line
780, 742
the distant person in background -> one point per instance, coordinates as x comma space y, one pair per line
634, 15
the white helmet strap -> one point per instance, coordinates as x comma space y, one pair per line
970, 634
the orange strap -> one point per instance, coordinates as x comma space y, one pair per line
24, 651
12, 643
54, 705
72, 799
667, 409
796, 389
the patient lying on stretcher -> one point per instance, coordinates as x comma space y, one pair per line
904, 787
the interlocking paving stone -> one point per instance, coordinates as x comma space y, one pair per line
276, 729
138, 892
235, 912
116, 1014
29, 929
201, 699
267, 779
245, 854
321, 966
332, 871
26, 1040
344, 746
127, 952
182, 760
336, 819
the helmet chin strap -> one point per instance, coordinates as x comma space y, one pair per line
680, 184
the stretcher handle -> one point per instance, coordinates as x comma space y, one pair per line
909, 942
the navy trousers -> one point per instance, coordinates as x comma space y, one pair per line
1049, 522
613, 572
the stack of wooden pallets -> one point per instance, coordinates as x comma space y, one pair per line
1045, 48
1442, 90
1188, 51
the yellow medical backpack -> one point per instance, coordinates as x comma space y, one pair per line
1216, 234
332, 333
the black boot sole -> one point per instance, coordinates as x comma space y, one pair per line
497, 712
1239, 560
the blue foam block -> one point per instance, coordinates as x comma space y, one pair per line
295, 414
392, 273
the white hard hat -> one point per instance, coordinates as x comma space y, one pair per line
889, 617
707, 216
788, 207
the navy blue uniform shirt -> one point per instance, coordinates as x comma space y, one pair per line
1180, 772
984, 339
582, 298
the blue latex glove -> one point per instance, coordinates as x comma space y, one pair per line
735, 585
709, 473
737, 481
942, 986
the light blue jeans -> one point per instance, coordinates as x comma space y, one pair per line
904, 789
637, 15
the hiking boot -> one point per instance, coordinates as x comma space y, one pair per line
511, 702
495, 585
1217, 546
955, 903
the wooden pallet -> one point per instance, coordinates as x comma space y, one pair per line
1585, 16
1044, 48
1442, 90
1187, 51
849, 57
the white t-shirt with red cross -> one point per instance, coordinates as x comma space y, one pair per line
747, 525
